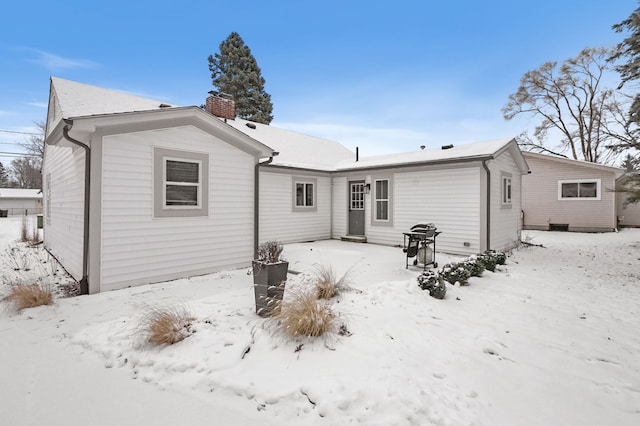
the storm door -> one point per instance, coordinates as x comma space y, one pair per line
356, 207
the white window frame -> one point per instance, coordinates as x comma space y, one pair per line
305, 182
160, 207
598, 196
389, 200
166, 183
356, 195
47, 199
506, 193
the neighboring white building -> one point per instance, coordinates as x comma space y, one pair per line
139, 192
17, 202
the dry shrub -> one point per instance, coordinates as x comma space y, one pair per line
24, 296
165, 325
29, 230
326, 284
302, 314
270, 252
69, 289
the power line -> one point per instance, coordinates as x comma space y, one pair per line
16, 154
20, 133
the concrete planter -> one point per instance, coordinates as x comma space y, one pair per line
268, 284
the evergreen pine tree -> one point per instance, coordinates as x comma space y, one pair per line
234, 71
630, 163
630, 49
630, 71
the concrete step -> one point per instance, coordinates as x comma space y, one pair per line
354, 238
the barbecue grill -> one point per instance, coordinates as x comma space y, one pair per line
420, 244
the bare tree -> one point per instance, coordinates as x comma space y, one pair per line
34, 147
571, 102
26, 172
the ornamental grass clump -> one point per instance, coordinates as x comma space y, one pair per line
455, 273
302, 314
29, 230
165, 325
430, 280
327, 285
23, 296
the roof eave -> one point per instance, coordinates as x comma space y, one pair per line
443, 161
123, 122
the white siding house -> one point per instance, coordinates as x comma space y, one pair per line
564, 194
458, 189
63, 188
137, 191
297, 187
282, 219
447, 187
167, 192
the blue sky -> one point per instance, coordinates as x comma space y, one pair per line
384, 76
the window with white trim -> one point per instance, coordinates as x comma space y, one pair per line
381, 199
579, 189
181, 183
506, 190
304, 194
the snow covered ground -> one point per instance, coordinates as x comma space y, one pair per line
550, 339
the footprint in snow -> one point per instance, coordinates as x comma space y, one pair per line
495, 353
490, 351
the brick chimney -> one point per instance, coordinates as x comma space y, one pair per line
221, 105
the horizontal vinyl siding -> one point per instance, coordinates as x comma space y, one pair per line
505, 222
138, 248
540, 197
279, 222
17, 206
64, 227
339, 210
628, 215
449, 198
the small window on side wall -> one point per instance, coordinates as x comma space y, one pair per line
382, 201
506, 190
579, 189
181, 183
47, 199
304, 194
